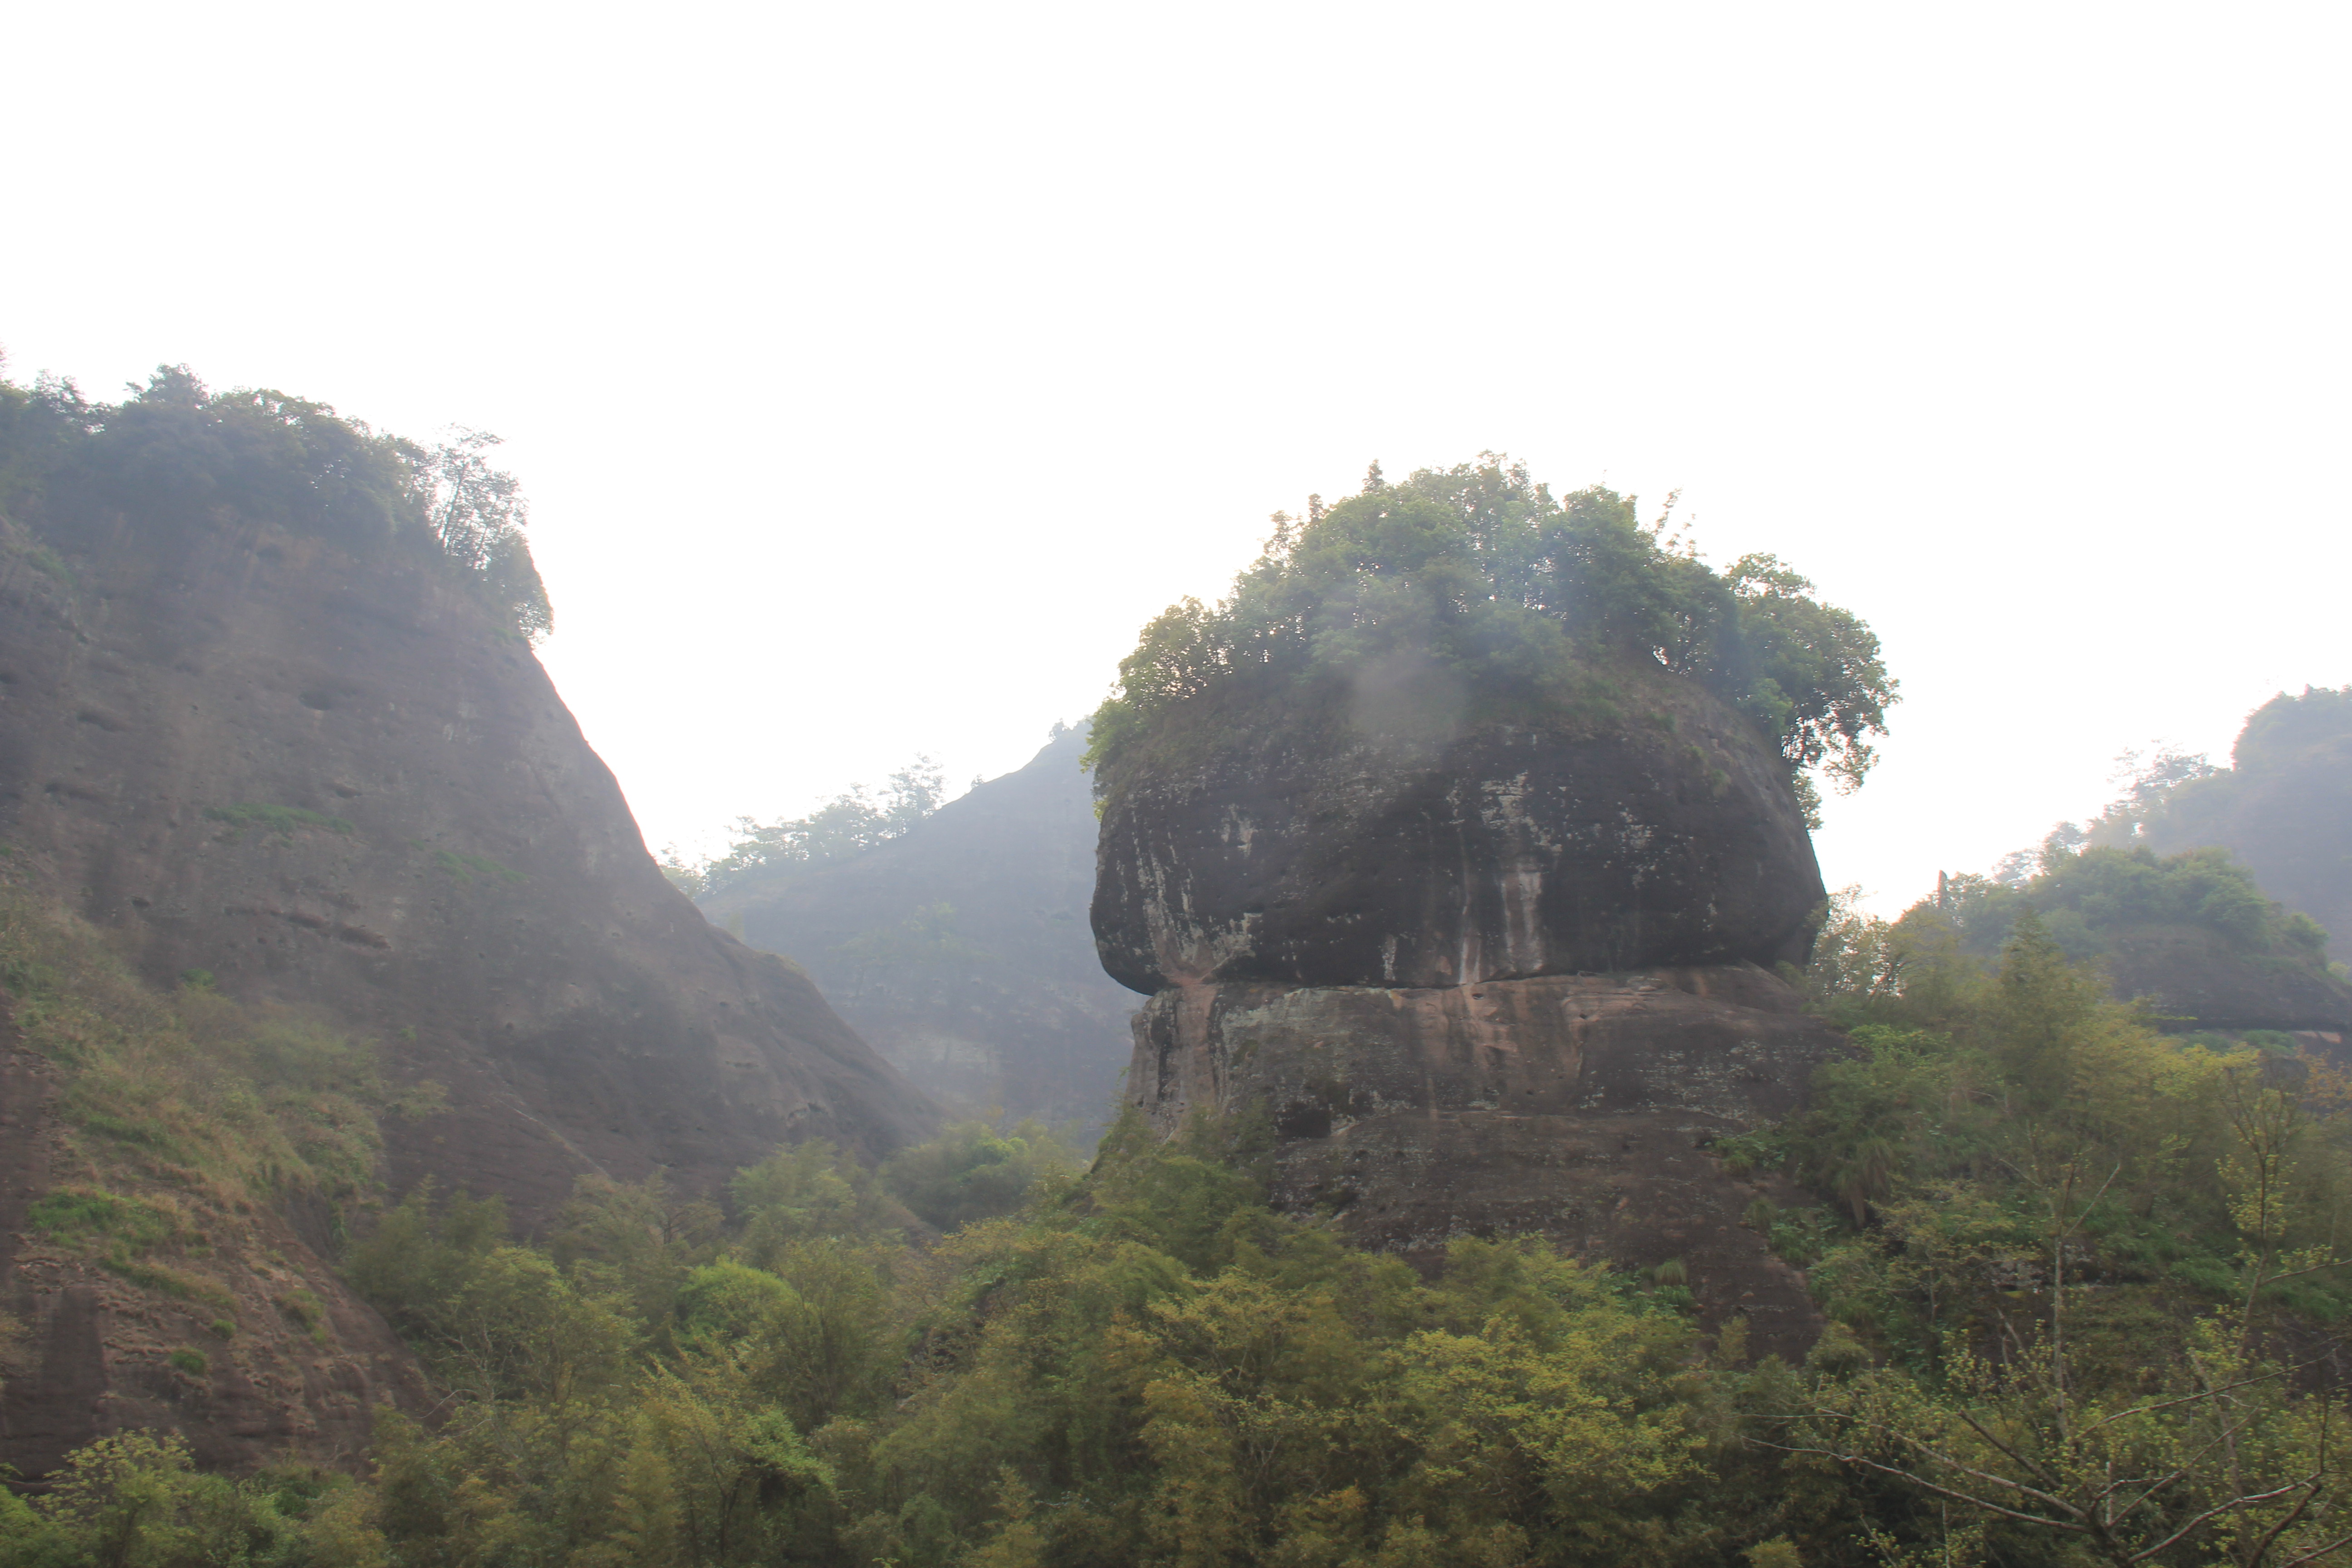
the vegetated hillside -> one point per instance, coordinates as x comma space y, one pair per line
960, 949
2284, 807
2191, 934
270, 722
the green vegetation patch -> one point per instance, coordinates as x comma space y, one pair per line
183, 1102
81, 1215
283, 820
1476, 586
176, 454
194, 1362
465, 868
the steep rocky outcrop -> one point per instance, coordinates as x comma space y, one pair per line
1420, 847
326, 774
1503, 977
959, 950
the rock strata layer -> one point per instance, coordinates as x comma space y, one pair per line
1576, 1106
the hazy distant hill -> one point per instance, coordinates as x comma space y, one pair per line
2284, 807
960, 950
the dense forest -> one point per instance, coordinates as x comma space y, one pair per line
2082, 1277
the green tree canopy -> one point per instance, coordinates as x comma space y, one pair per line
175, 453
849, 824
2082, 897
1525, 596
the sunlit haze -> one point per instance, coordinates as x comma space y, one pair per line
875, 372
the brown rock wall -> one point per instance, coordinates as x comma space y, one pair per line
1574, 1107
1348, 847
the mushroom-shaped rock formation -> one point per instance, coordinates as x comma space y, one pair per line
1463, 840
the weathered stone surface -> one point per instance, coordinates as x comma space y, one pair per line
333, 781
1358, 847
470, 885
1574, 1107
996, 1002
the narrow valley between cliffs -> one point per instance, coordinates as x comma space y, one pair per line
1391, 1089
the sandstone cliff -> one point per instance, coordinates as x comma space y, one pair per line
1413, 846
959, 950
1486, 978
318, 768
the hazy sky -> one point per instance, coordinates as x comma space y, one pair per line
876, 371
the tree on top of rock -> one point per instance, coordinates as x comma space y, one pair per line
1522, 595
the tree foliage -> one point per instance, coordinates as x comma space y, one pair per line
2083, 897
2076, 1273
1483, 572
175, 453
849, 824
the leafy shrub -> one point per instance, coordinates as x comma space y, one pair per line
970, 1171
194, 1362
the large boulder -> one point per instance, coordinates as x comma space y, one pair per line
1420, 843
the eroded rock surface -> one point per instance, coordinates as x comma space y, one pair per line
1343, 850
1574, 1107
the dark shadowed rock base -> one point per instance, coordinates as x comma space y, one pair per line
1574, 1107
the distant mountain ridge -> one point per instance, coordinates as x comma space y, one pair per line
961, 949
2284, 807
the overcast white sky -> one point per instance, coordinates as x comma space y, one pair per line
876, 371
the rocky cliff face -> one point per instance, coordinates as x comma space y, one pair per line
960, 950
1341, 850
327, 775
1491, 980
